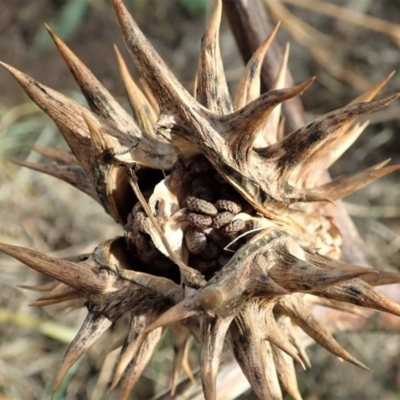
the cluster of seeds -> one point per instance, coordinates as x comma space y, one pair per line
212, 207
210, 229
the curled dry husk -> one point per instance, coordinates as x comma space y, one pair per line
228, 235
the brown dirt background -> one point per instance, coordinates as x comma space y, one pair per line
41, 213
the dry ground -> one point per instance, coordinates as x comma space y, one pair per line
41, 213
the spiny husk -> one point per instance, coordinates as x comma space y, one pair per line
235, 243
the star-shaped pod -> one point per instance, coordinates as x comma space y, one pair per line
227, 235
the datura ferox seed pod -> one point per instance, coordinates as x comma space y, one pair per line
227, 235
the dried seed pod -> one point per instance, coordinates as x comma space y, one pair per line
237, 157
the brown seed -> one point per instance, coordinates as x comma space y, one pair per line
222, 219
228, 205
233, 227
143, 222
201, 206
198, 220
195, 241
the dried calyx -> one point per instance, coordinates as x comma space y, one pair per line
226, 247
